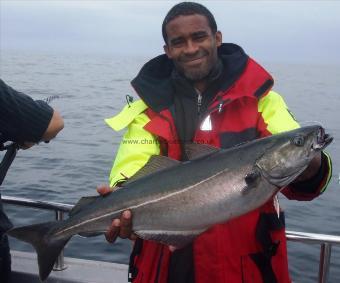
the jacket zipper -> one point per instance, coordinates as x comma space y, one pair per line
199, 102
205, 121
222, 103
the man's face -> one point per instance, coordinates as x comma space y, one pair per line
192, 46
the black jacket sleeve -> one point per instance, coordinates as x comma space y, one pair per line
22, 119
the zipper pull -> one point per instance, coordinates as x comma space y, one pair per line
199, 102
220, 108
220, 105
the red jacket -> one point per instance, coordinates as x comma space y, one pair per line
250, 248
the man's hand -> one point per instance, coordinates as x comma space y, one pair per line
54, 127
26, 145
122, 226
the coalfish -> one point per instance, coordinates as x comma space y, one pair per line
172, 202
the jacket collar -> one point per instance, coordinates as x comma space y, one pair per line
155, 82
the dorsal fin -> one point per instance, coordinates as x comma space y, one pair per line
196, 150
84, 201
156, 163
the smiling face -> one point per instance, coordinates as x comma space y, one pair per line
192, 46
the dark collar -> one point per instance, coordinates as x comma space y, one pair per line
155, 82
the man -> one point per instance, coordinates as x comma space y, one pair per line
24, 122
206, 91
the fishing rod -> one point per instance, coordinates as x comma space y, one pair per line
11, 151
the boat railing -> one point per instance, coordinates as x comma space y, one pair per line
325, 241
59, 208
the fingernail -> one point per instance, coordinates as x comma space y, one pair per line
116, 222
127, 214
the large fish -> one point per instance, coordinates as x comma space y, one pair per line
172, 202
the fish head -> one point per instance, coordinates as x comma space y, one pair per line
290, 153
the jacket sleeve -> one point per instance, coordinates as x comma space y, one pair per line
136, 146
278, 118
22, 119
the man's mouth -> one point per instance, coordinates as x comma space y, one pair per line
194, 61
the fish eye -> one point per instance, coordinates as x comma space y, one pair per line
298, 140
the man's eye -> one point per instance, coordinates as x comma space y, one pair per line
200, 37
177, 43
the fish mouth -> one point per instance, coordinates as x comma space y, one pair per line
322, 140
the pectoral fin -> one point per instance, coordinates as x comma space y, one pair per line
252, 179
90, 234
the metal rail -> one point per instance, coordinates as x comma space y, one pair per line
58, 208
325, 241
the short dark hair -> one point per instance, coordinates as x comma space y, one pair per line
185, 9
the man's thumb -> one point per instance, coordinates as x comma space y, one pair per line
104, 190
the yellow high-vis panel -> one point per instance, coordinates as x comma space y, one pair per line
137, 145
276, 114
126, 116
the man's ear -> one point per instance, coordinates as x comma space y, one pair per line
166, 50
218, 38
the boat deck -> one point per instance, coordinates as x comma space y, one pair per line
25, 269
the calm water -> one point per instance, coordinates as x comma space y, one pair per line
92, 88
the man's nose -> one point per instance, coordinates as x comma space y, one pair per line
191, 47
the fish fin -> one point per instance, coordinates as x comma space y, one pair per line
156, 163
196, 150
47, 246
83, 202
246, 190
276, 206
252, 180
90, 234
178, 239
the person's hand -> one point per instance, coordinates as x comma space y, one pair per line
54, 127
104, 190
172, 248
26, 145
120, 227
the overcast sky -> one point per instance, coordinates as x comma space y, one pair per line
268, 30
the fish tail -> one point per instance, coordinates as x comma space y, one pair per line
47, 245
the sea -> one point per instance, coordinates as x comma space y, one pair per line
90, 88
